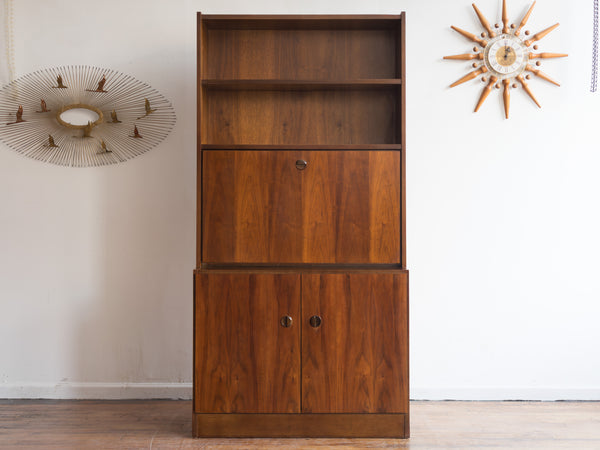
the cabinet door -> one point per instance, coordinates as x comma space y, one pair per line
343, 207
356, 360
246, 360
351, 207
252, 207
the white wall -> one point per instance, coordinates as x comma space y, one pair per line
96, 264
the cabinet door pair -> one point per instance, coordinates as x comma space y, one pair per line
301, 207
291, 343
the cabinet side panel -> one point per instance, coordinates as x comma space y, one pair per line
356, 361
246, 361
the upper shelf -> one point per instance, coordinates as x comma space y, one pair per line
292, 85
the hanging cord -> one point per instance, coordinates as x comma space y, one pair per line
9, 23
594, 85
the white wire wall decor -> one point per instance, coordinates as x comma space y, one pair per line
127, 117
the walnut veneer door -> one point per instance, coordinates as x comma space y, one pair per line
246, 361
343, 207
356, 360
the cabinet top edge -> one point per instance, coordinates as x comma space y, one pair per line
300, 21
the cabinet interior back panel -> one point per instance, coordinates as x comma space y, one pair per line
300, 54
300, 117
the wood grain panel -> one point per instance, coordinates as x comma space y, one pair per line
245, 361
384, 206
301, 54
357, 360
362, 116
252, 208
343, 208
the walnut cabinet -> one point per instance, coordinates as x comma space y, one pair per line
301, 285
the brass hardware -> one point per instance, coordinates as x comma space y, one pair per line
301, 164
315, 321
89, 125
286, 321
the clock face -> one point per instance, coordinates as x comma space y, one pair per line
506, 56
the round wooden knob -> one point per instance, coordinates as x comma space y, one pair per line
474, 64
475, 49
538, 63
484, 79
497, 25
483, 35
514, 85
528, 76
513, 26
527, 32
535, 47
497, 85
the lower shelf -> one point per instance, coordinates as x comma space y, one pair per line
301, 425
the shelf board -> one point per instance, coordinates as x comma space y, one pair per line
293, 85
301, 147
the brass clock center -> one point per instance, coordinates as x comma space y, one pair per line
506, 56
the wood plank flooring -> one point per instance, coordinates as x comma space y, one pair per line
165, 424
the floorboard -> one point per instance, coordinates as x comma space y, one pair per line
165, 424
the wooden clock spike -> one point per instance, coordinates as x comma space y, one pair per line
506, 27
471, 36
524, 21
470, 76
484, 22
486, 91
547, 55
539, 73
466, 56
526, 88
506, 96
540, 35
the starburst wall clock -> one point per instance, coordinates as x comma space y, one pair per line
503, 58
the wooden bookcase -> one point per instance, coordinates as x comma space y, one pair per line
301, 285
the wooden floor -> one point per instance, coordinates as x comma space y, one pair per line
66, 424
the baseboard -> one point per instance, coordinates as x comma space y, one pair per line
506, 393
183, 391
96, 391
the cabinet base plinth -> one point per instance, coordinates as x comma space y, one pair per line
301, 425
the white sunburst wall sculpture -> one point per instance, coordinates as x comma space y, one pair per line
503, 57
124, 117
